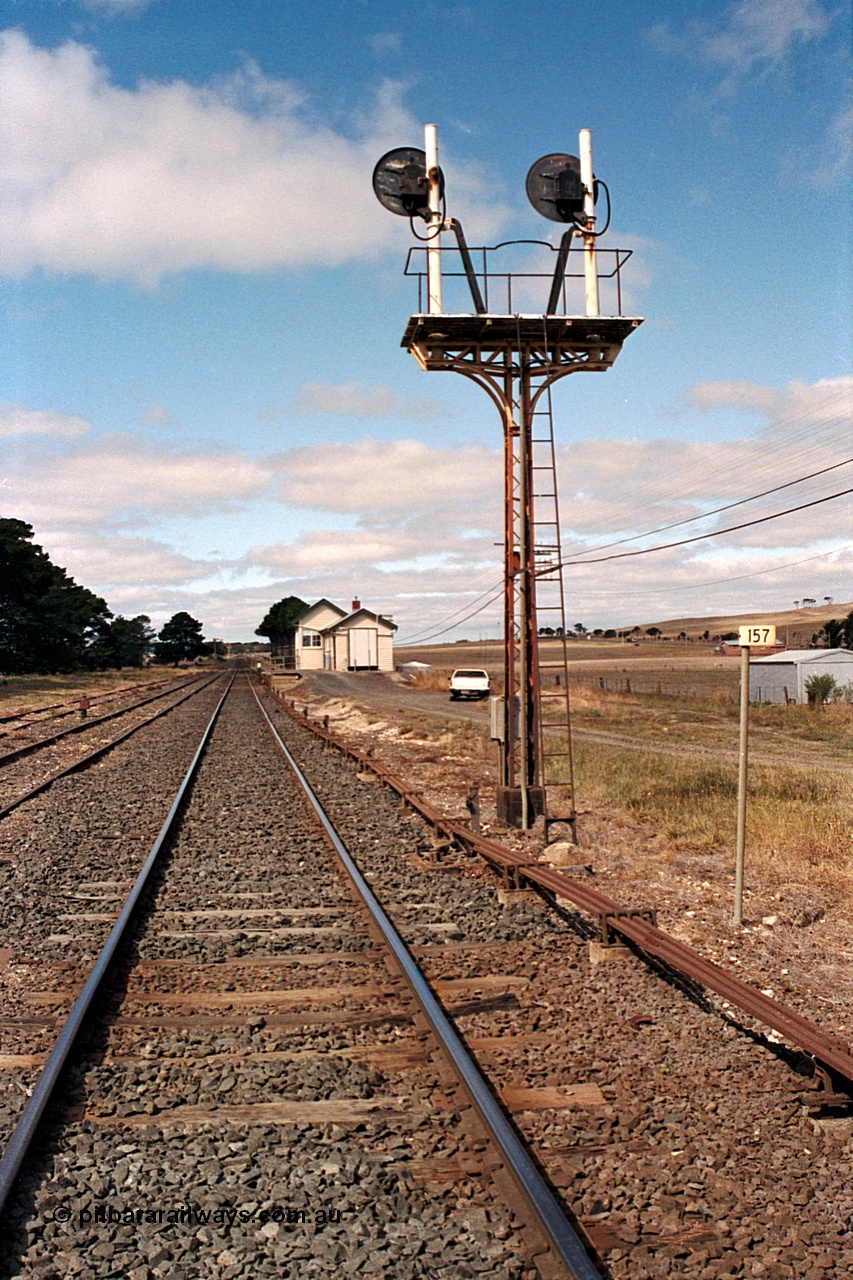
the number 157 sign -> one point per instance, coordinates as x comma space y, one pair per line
750, 636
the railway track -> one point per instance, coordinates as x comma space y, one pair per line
163, 991
13, 723
830, 1052
31, 766
257, 997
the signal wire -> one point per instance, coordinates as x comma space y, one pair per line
710, 582
667, 546
701, 537
797, 428
713, 582
416, 639
729, 506
459, 621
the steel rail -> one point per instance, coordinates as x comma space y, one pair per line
25, 1130
30, 748
91, 756
68, 708
827, 1049
563, 1241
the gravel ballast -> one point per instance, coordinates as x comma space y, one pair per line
676, 1134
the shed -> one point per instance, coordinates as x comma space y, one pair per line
414, 668
781, 674
327, 638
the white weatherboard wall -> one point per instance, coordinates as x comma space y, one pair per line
363, 641
770, 677
309, 645
328, 638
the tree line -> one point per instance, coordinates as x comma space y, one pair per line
837, 633
48, 623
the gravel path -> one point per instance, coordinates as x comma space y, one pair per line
379, 692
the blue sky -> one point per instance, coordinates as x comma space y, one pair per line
204, 404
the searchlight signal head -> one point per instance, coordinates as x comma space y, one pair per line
401, 185
555, 188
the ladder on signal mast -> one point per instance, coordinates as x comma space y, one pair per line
555, 728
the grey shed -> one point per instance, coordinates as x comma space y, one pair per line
770, 677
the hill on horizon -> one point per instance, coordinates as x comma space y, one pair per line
798, 622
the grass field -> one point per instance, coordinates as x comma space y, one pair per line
672, 762
671, 670
675, 767
28, 692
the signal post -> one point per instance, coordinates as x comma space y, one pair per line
515, 357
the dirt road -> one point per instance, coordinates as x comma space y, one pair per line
390, 696
386, 694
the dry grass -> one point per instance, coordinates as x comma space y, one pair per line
29, 692
712, 721
800, 810
435, 681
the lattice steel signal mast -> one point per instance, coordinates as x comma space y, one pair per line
516, 356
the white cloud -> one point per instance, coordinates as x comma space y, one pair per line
361, 400
137, 183
834, 158
121, 477
125, 567
154, 415
385, 42
750, 37
420, 523
826, 405
380, 477
738, 393
19, 421
763, 32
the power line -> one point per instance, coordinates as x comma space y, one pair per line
713, 582
450, 616
729, 506
794, 426
421, 638
458, 623
701, 537
426, 634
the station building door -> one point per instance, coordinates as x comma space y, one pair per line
363, 648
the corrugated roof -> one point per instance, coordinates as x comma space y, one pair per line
805, 655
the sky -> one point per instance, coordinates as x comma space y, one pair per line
204, 404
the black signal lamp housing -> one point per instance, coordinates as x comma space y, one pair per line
401, 185
555, 189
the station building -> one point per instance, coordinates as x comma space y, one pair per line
327, 638
782, 677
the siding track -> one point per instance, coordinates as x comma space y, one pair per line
32, 767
